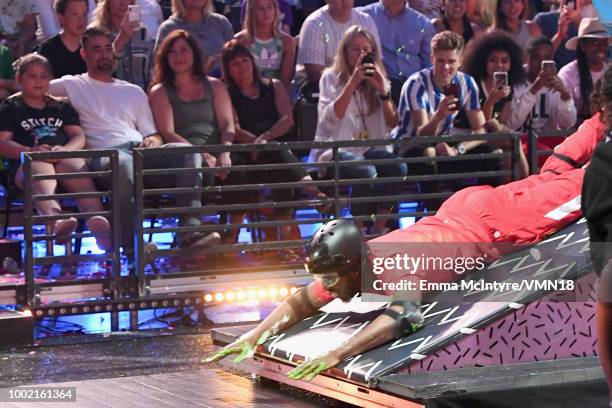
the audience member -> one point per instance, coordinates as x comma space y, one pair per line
542, 102
559, 25
355, 104
455, 18
112, 125
591, 46
431, 100
211, 30
18, 25
190, 107
133, 52
263, 114
7, 75
495, 54
285, 11
322, 31
64, 49
510, 16
32, 121
48, 21
273, 50
404, 52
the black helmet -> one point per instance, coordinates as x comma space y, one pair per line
335, 247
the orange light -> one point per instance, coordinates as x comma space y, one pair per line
27, 312
219, 297
208, 298
283, 291
229, 296
262, 293
293, 290
240, 295
273, 292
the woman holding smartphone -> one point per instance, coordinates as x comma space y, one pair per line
133, 51
355, 104
501, 72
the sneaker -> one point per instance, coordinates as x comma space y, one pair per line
63, 230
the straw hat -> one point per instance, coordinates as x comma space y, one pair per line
589, 28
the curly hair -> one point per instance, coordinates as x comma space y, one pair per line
479, 49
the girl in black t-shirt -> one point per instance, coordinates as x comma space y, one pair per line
32, 121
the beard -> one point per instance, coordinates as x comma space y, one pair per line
105, 65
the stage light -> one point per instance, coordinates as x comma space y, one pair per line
293, 290
51, 312
97, 308
208, 298
86, 309
198, 301
240, 295
219, 297
262, 293
62, 311
132, 306
273, 292
177, 302
109, 308
27, 312
154, 303
283, 292
120, 306
165, 303
143, 305
251, 294
229, 296
74, 310
187, 302
39, 313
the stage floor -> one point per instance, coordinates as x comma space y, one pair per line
144, 369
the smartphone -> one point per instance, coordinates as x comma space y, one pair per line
549, 67
500, 79
451, 90
134, 13
368, 59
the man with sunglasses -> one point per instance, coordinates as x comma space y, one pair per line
333, 257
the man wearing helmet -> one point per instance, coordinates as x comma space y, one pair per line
524, 212
333, 257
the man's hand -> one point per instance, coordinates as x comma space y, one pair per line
151, 141
244, 347
448, 106
311, 368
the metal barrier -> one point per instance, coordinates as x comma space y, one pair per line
336, 183
533, 153
110, 286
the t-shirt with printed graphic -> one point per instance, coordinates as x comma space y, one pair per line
33, 127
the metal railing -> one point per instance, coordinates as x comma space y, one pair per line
533, 153
335, 185
33, 289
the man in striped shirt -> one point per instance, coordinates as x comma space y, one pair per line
430, 101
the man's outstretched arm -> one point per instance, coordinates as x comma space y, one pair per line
304, 303
400, 319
